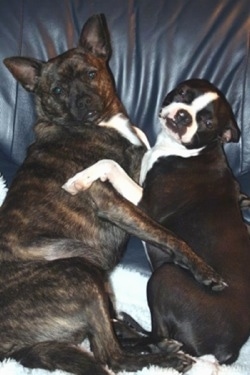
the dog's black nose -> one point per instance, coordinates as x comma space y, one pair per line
84, 102
183, 118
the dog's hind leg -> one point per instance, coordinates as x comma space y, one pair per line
51, 307
53, 355
55, 306
67, 357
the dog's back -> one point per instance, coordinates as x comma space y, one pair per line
197, 198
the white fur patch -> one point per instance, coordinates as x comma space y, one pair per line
105, 170
203, 100
165, 146
122, 124
193, 108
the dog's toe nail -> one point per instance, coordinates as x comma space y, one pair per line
219, 286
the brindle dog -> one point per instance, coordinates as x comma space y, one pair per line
56, 250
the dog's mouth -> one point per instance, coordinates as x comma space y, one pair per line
88, 115
87, 107
171, 123
92, 116
179, 122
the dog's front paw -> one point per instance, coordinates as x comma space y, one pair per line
218, 286
212, 279
84, 179
244, 201
180, 361
80, 182
168, 346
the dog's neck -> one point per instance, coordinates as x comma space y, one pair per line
121, 123
165, 146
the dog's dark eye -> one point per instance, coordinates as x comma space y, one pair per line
91, 74
57, 90
209, 124
181, 92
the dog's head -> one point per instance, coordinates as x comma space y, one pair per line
196, 113
75, 86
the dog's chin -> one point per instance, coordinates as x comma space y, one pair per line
92, 116
189, 145
193, 144
178, 137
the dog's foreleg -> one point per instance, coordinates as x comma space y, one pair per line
114, 208
106, 170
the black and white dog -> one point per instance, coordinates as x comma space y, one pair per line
189, 188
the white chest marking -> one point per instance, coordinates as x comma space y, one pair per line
122, 124
165, 146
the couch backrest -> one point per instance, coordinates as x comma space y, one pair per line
156, 44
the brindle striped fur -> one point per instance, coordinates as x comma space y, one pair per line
56, 250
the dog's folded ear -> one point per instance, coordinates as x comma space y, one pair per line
25, 70
231, 132
95, 37
230, 135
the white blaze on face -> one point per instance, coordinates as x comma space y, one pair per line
193, 108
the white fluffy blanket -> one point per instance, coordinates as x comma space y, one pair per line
130, 291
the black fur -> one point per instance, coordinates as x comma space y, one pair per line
198, 199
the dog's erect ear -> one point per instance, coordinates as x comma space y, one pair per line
95, 37
25, 70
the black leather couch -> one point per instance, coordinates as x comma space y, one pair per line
156, 44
